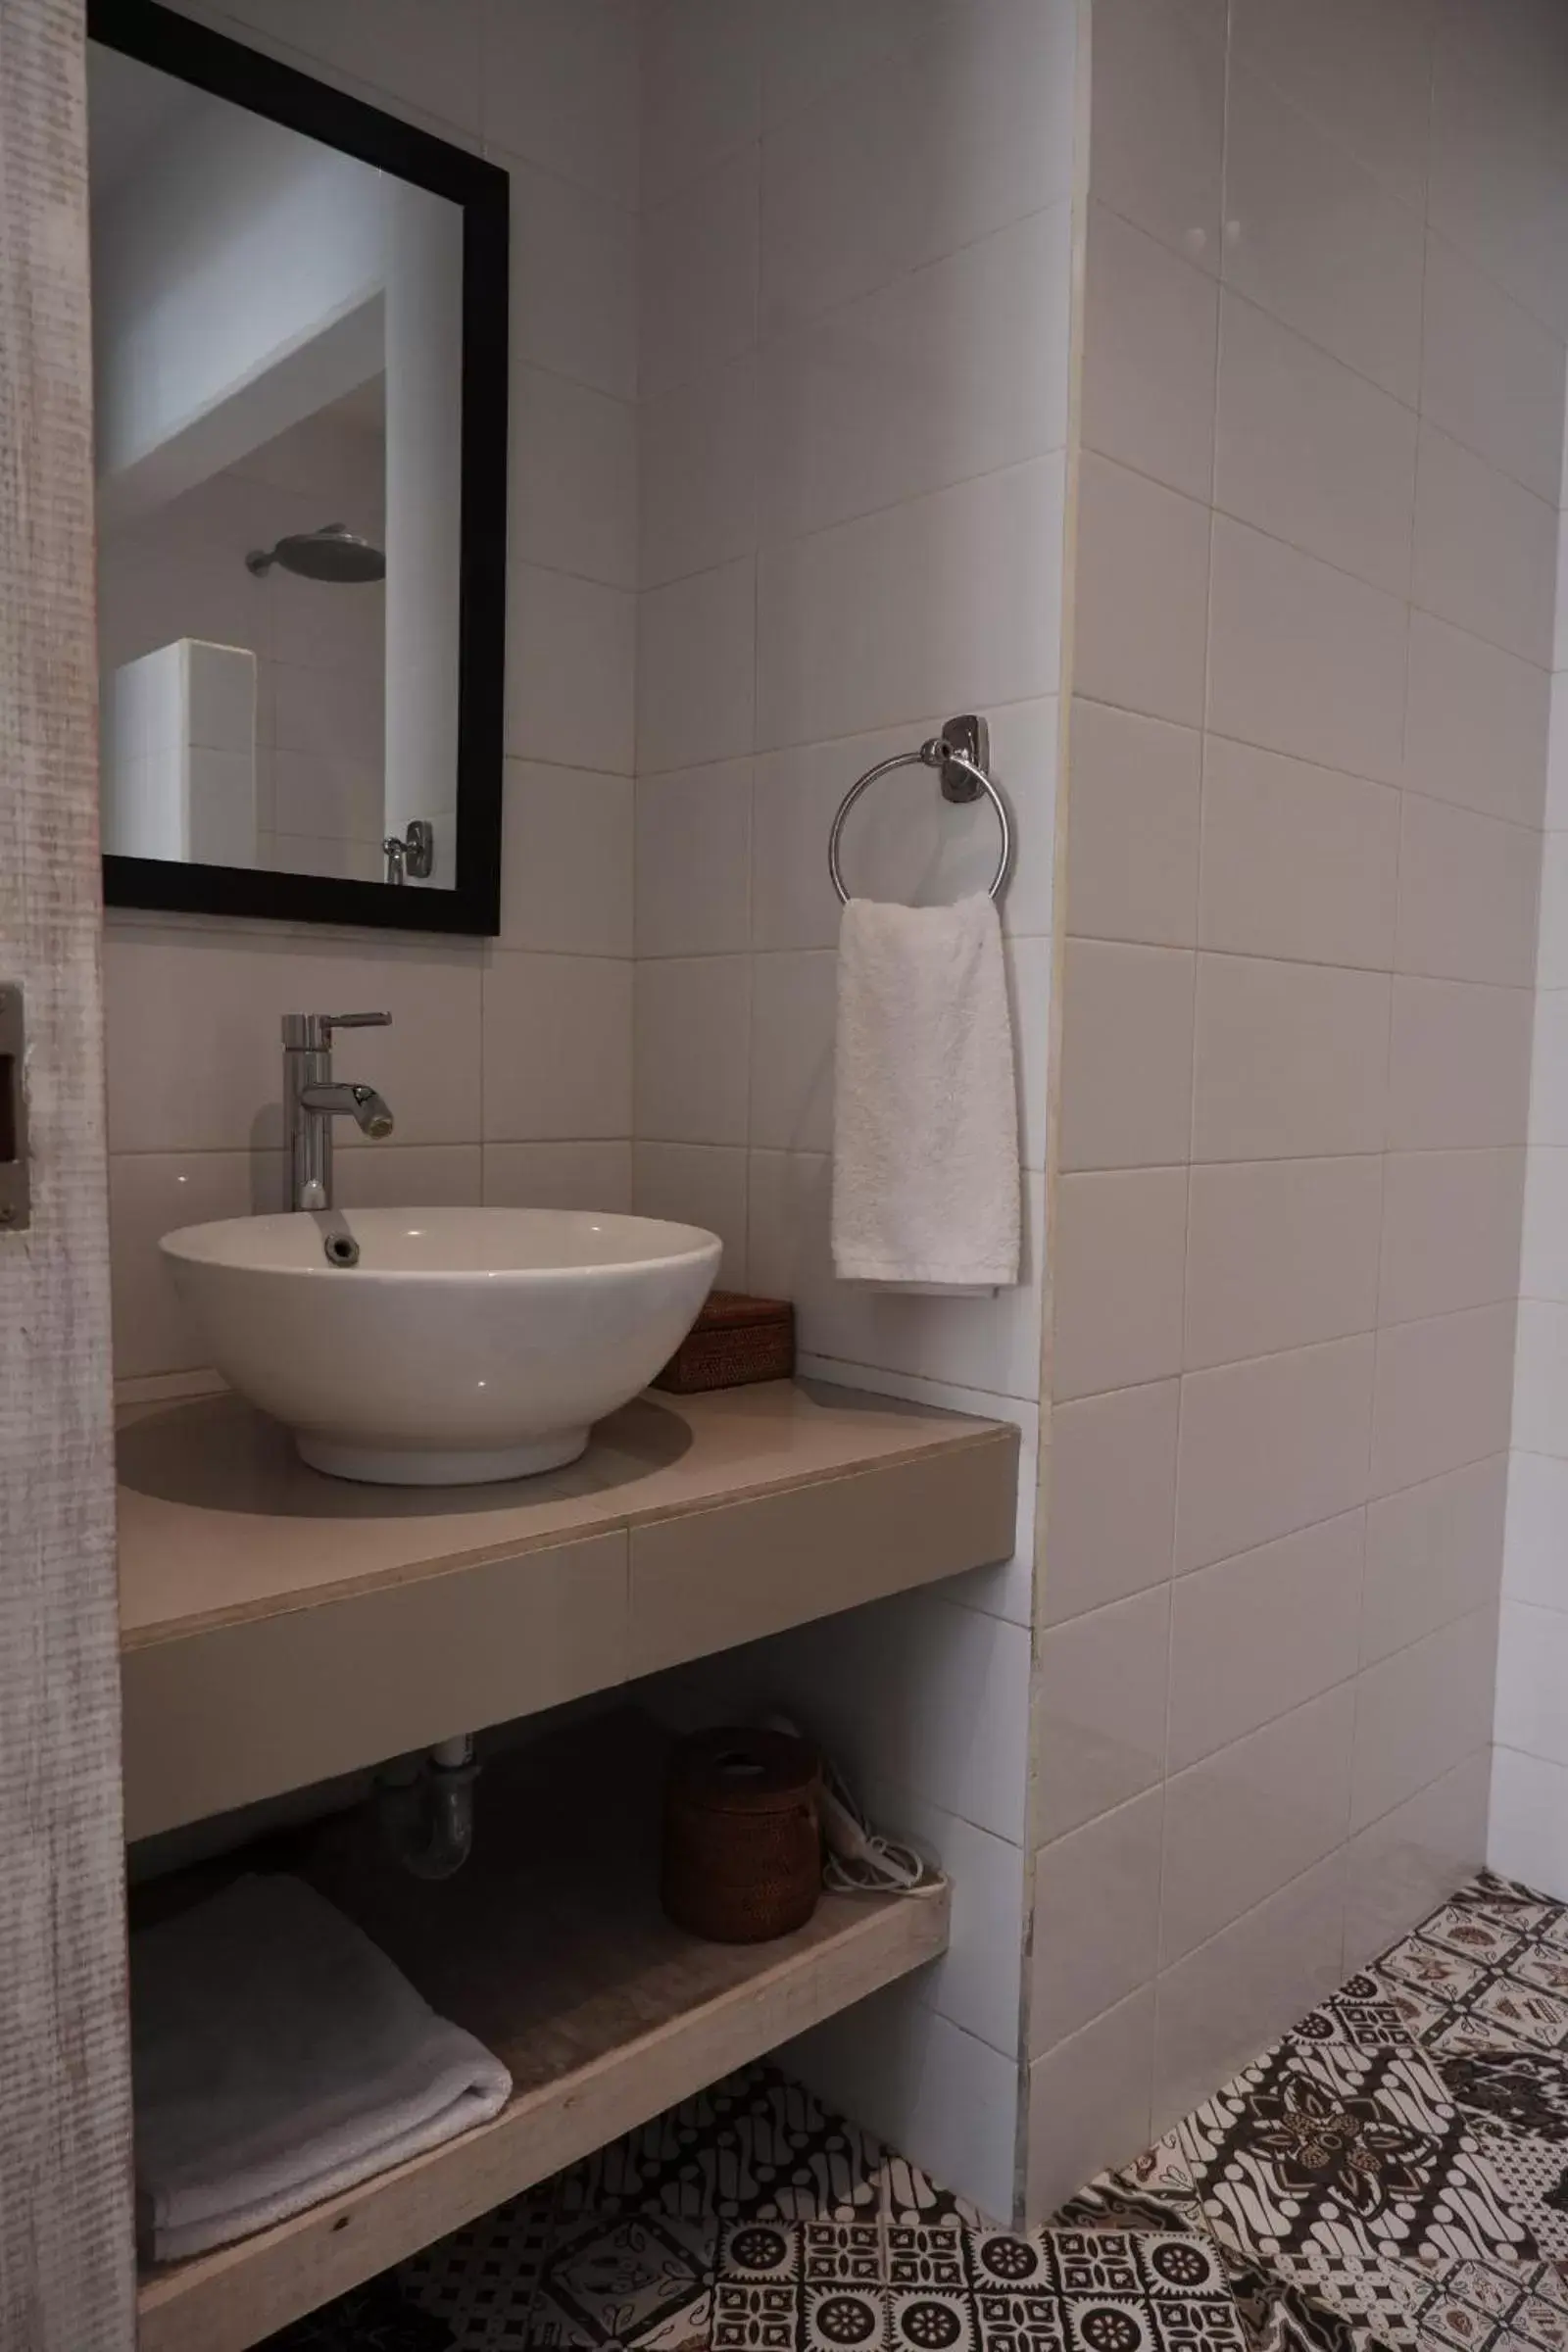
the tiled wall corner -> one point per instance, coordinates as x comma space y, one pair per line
1322, 428
849, 529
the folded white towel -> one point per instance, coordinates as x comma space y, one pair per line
279, 2058
925, 1108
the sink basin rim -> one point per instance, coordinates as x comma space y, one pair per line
205, 1245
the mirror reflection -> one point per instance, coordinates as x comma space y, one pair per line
277, 344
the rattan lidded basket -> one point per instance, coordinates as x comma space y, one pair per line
743, 1851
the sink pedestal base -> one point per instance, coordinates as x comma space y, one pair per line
400, 1466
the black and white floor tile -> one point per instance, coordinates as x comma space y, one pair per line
1391, 2177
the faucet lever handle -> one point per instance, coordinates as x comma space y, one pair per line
355, 1020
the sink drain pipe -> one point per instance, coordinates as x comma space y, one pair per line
425, 1808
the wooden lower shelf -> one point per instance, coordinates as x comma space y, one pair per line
549, 1945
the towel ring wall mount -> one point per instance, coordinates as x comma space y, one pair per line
961, 753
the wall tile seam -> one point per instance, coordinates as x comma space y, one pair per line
773, 752
762, 548
1247, 743
497, 151
1259, 74
583, 579
1415, 408
1408, 599
1178, 1577
804, 322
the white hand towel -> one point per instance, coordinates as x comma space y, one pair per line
279, 2058
925, 1106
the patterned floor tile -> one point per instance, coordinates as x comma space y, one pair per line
1391, 2177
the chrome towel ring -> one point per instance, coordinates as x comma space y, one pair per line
961, 752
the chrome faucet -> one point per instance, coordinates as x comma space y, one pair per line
313, 1100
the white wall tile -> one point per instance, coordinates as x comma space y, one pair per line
1528, 1835
1281, 1253
1270, 1447
696, 1184
697, 474
881, 401
1403, 1866
1497, 180
1320, 242
1491, 374
1100, 1710
1298, 860
1248, 1819
194, 1059
1310, 452
696, 670
408, 1175
1157, 135
1541, 1389
975, 1983
570, 671
1256, 1636
701, 69
1112, 1499
572, 478
1133, 842
1096, 1919
1451, 1231
697, 276
1468, 888
919, 1693
573, 305
557, 1048
567, 860
1231, 1997
1126, 1056
1443, 1389
691, 1050
1303, 658
1361, 76
849, 200
1536, 1545
560, 87
1089, 2103
1552, 961
1549, 1083
921, 2084
1476, 723
1543, 1272
1421, 1712
559, 1175
860, 627
1119, 1257
1458, 1065
1433, 1554
793, 1005
694, 845
154, 1192
1140, 593
1486, 550
1150, 332
1290, 1060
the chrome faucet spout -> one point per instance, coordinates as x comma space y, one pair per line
342, 1099
312, 1098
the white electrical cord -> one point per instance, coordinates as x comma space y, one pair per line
859, 1859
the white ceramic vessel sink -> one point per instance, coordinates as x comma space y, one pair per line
466, 1344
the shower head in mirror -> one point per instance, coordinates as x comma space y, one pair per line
334, 553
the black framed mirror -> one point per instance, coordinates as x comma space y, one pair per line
300, 353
